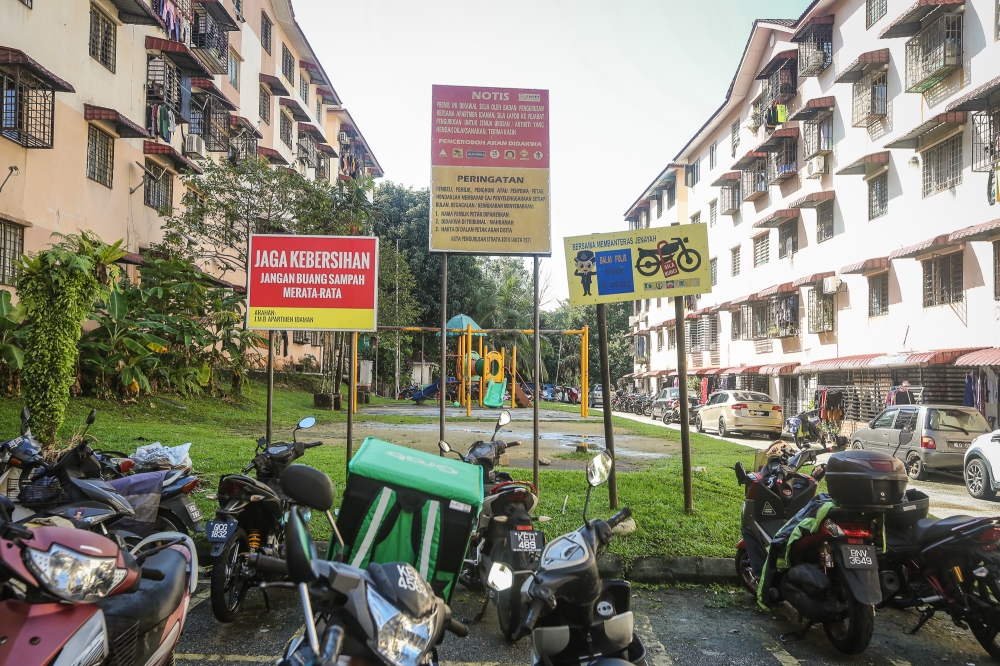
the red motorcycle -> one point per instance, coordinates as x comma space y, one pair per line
75, 598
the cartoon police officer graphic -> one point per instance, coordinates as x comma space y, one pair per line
586, 266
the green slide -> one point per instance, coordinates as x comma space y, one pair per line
494, 393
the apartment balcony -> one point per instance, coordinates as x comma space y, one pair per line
243, 139
210, 35
729, 195
986, 139
870, 99
753, 179
815, 40
782, 155
934, 53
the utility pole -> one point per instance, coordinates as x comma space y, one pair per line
609, 428
682, 397
397, 316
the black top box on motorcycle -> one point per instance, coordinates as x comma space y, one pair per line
914, 506
865, 478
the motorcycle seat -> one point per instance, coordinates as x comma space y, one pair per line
927, 530
155, 600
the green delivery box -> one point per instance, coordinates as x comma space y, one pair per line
404, 505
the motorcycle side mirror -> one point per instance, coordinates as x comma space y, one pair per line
502, 420
444, 446
599, 469
501, 577
25, 414
307, 422
300, 549
308, 486
92, 417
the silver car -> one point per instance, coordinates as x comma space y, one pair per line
941, 436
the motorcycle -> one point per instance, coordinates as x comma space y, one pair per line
947, 566
73, 598
505, 532
826, 550
249, 519
176, 511
383, 614
574, 617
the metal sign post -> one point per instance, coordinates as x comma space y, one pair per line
443, 378
682, 397
537, 390
270, 383
609, 428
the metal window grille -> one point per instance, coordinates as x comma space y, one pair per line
782, 85
234, 72
874, 10
27, 113
713, 155
817, 136
824, 221
869, 99
815, 50
878, 196
102, 38
736, 325
943, 280
736, 136
713, 267
820, 311
238, 6
314, 338
788, 239
659, 339
159, 192
287, 64
322, 167
659, 204
761, 249
933, 53
300, 337
163, 82
286, 130
729, 198
713, 213
183, 6
996, 270
304, 89
878, 295
265, 32
694, 340
986, 139
319, 108
242, 146
735, 252
754, 321
692, 173
783, 317
782, 164
211, 121
11, 249
211, 38
307, 149
671, 338
942, 168
100, 156
27, 3
265, 105
756, 118
671, 195
753, 181
709, 330
696, 218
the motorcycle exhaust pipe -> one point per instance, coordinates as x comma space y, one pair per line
889, 582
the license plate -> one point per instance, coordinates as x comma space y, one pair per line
526, 541
959, 445
193, 511
218, 531
859, 557
758, 412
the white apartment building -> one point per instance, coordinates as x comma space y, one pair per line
844, 185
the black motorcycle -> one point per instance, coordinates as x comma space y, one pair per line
249, 520
572, 615
385, 614
505, 532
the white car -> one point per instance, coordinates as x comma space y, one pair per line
982, 466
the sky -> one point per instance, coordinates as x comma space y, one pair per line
629, 84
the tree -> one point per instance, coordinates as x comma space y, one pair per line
396, 307
563, 359
58, 287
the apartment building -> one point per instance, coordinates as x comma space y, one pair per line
106, 102
844, 184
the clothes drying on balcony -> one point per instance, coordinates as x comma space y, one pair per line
161, 121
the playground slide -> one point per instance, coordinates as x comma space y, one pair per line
520, 397
494, 393
430, 392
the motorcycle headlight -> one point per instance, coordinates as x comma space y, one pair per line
73, 576
401, 640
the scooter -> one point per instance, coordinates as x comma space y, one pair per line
384, 614
249, 519
574, 617
505, 532
176, 511
73, 598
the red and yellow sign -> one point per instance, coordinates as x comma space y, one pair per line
490, 171
312, 283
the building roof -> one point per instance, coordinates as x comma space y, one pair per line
912, 138
907, 24
841, 363
278, 88
940, 242
776, 219
813, 108
978, 99
10, 56
978, 232
815, 278
179, 53
155, 148
988, 356
865, 266
125, 128
878, 59
779, 368
814, 199
858, 166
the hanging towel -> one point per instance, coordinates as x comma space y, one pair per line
968, 399
782, 112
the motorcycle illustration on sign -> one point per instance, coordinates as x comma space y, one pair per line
663, 258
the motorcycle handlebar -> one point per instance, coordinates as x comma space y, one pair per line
459, 629
312, 445
268, 565
516, 442
534, 610
247, 468
620, 517
333, 641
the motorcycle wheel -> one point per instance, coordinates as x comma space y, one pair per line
228, 590
852, 634
166, 521
744, 571
666, 418
986, 629
508, 602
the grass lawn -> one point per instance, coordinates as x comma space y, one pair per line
223, 435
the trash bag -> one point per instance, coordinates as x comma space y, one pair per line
155, 456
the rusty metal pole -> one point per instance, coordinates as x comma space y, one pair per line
443, 375
682, 397
538, 380
609, 428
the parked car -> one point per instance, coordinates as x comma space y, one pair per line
744, 411
982, 466
662, 400
597, 396
942, 434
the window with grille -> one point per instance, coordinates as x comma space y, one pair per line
11, 249
696, 218
659, 339
943, 280
671, 338
782, 162
242, 146
934, 53
322, 167
815, 50
788, 239
996, 270
27, 3
28, 108
709, 326
783, 317
300, 337
100, 156
756, 118
234, 71
265, 105
211, 38
304, 89
102, 38
986, 138
869, 99
693, 337
820, 311
824, 221
692, 173
754, 318
782, 85
307, 149
671, 195
319, 108
159, 192
211, 121
163, 82
287, 64
713, 212
878, 295
730, 197
265, 32
761, 249
659, 204
286, 130
878, 196
874, 10
713, 267
735, 136
753, 180
736, 325
942, 168
735, 255
817, 136
713, 156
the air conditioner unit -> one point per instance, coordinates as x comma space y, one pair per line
831, 285
194, 145
343, 138
816, 167
632, 320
